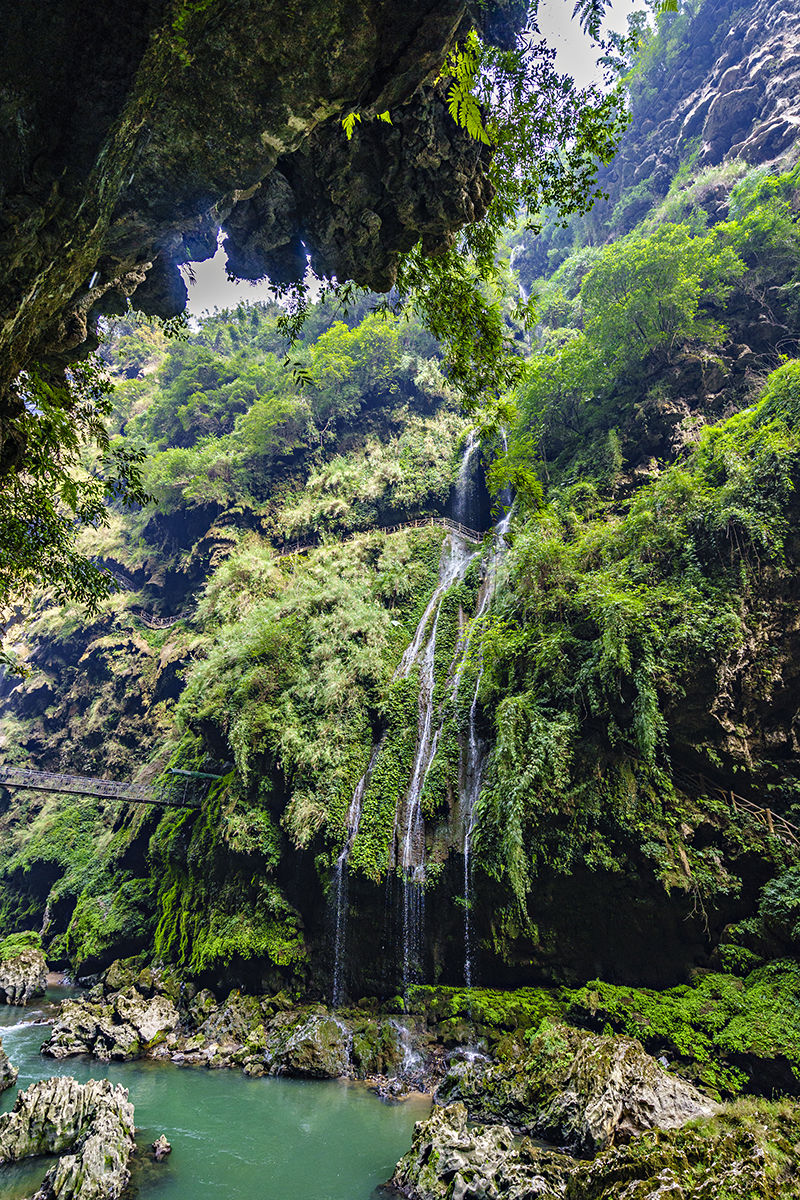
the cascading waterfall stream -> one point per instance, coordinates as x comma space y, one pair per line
455, 558
473, 766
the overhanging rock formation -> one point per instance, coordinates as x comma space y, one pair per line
131, 130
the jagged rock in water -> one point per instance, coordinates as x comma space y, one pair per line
745, 1155
161, 1148
8, 1072
154, 125
89, 1125
23, 976
578, 1089
124, 1027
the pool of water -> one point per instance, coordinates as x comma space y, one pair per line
232, 1137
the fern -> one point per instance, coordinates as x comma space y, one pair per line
463, 66
349, 123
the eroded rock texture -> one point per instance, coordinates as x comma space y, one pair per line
131, 132
90, 1125
23, 976
577, 1089
731, 93
748, 1155
8, 1073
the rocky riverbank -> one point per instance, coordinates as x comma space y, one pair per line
525, 1105
90, 1126
618, 1127
747, 1151
150, 1013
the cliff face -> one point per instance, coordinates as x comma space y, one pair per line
130, 134
726, 89
643, 666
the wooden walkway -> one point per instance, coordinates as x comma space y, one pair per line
86, 785
469, 535
771, 821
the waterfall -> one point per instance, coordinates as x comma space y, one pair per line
340, 876
456, 556
473, 761
460, 506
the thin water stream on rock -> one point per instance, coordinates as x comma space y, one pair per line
233, 1138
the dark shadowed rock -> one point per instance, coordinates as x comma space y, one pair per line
153, 126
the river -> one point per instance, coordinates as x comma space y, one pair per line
232, 1137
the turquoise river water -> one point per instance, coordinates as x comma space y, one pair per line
232, 1137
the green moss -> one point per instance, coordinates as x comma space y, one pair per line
105, 923
723, 1030
389, 778
12, 945
503, 1011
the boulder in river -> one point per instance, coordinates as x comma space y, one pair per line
161, 1148
8, 1074
316, 1047
23, 975
89, 1125
124, 1026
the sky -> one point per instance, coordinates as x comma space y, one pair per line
575, 55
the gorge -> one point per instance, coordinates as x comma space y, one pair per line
471, 724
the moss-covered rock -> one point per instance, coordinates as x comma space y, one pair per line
743, 1153
8, 1072
725, 1031
576, 1089
23, 969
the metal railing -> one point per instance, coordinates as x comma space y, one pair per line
470, 535
88, 785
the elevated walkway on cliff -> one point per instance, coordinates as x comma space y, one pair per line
469, 535
771, 822
103, 789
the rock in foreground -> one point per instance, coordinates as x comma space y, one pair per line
8, 1074
23, 976
89, 1125
746, 1152
577, 1089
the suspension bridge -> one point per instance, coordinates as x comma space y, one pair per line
106, 789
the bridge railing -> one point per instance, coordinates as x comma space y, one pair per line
771, 821
87, 785
470, 535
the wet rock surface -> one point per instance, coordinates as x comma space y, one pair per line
89, 1125
8, 1072
23, 976
577, 1089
